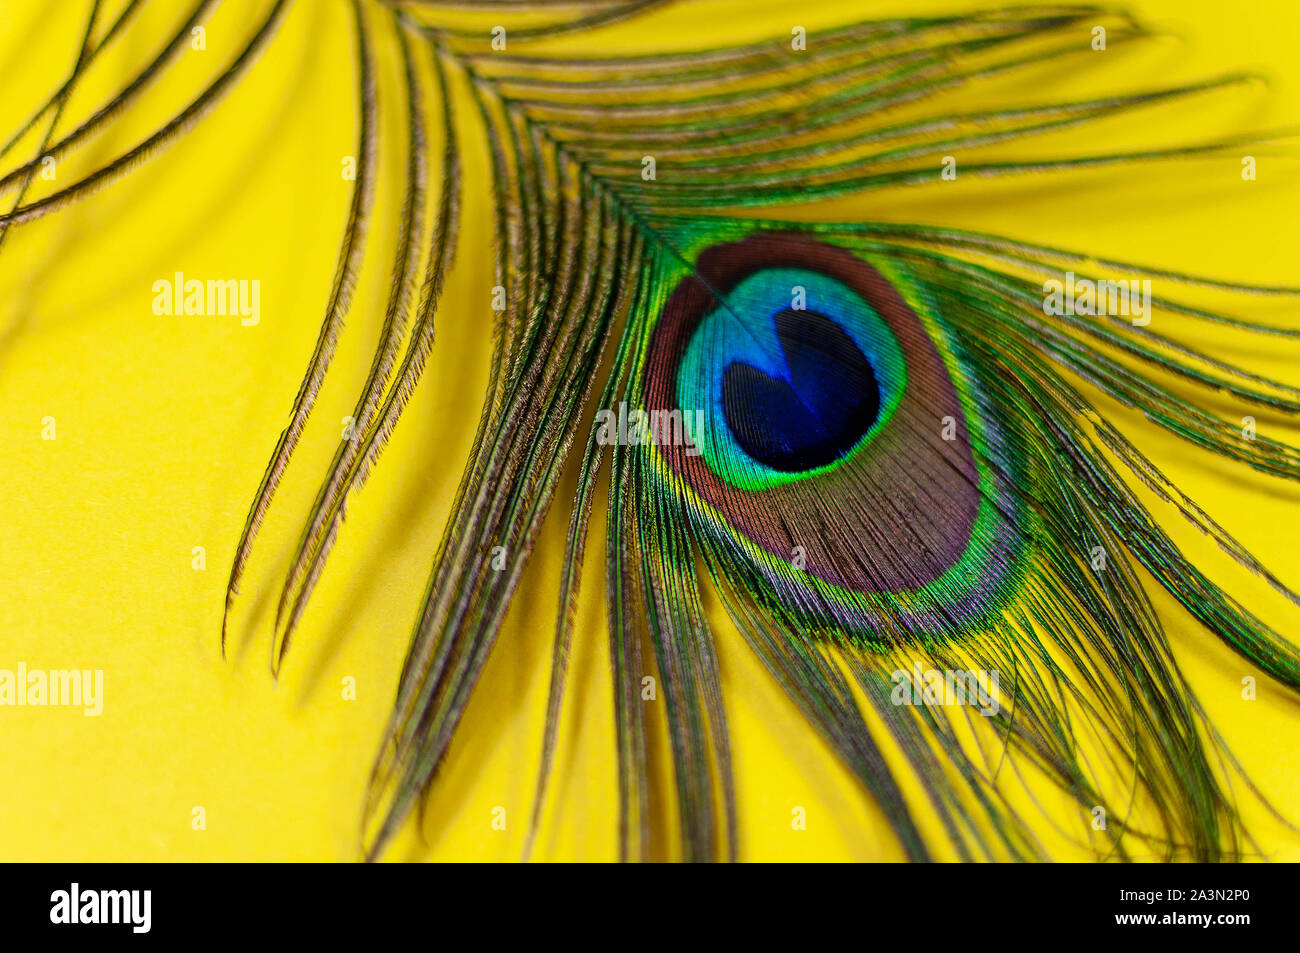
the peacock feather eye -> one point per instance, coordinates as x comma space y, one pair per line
831, 444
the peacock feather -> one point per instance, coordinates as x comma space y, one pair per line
888, 451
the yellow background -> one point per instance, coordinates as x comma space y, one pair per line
164, 426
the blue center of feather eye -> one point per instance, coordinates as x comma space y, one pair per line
815, 414
791, 374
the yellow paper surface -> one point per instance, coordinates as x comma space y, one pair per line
117, 534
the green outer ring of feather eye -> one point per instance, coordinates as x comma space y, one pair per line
758, 337
951, 589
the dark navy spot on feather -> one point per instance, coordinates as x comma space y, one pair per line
830, 399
